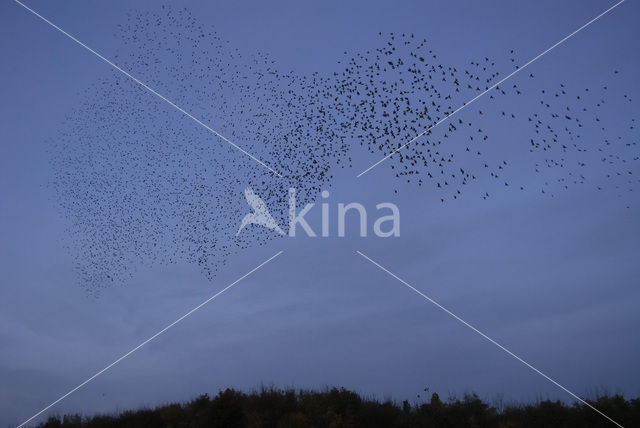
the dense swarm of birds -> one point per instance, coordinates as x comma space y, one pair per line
141, 183
402, 90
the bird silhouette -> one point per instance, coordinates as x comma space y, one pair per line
260, 215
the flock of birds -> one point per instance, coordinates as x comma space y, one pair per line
400, 90
140, 183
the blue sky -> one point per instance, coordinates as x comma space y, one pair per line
552, 278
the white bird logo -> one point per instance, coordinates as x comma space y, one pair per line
260, 214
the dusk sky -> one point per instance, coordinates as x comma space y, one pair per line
553, 276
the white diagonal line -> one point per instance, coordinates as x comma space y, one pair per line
186, 113
487, 337
150, 339
490, 88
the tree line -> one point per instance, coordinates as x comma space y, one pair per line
341, 408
